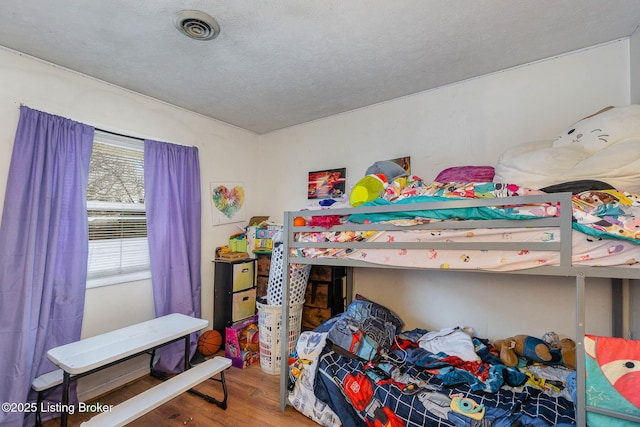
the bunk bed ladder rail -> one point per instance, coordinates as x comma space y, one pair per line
566, 230
284, 322
580, 403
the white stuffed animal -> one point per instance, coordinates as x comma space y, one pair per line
604, 146
603, 129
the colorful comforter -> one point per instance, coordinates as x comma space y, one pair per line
600, 213
357, 370
412, 387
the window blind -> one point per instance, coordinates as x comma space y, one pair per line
115, 207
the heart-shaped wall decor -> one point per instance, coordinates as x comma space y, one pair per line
228, 200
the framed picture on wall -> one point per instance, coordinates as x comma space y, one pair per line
227, 202
405, 162
327, 183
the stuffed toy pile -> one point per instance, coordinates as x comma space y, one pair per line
377, 179
526, 349
387, 180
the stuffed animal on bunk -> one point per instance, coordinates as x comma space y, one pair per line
604, 146
383, 179
525, 348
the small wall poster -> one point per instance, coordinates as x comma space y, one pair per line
404, 162
227, 202
326, 184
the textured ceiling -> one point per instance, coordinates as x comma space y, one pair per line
277, 63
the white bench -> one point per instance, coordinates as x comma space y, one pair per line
148, 400
43, 383
89, 355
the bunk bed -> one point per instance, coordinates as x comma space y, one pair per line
559, 256
568, 207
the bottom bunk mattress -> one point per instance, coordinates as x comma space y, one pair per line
372, 380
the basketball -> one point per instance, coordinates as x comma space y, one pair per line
209, 343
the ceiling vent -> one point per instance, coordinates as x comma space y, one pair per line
197, 25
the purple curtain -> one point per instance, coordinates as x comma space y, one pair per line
172, 198
43, 250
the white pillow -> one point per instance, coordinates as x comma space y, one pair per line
537, 164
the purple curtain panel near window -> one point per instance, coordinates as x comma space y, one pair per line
43, 250
172, 198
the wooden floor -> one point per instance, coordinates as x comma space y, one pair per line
253, 401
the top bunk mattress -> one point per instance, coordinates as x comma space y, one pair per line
478, 226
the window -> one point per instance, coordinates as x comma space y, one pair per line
118, 247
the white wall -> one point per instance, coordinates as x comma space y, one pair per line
468, 123
226, 154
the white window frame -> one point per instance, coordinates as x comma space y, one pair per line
95, 280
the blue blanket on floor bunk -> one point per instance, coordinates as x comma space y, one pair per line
376, 394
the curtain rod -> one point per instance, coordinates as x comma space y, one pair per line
120, 134
98, 129
135, 137
108, 131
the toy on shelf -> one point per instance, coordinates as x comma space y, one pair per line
238, 242
225, 253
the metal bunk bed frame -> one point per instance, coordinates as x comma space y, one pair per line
565, 267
